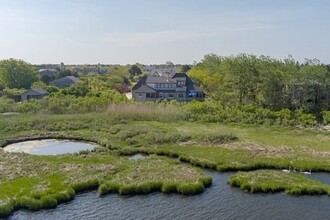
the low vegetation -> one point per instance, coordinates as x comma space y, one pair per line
277, 181
35, 182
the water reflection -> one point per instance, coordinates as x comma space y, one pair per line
48, 147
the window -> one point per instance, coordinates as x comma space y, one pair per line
160, 95
151, 95
180, 95
180, 83
171, 95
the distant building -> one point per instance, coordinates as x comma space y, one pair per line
160, 70
178, 87
33, 94
64, 82
83, 70
51, 73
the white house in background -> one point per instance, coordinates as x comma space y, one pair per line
33, 94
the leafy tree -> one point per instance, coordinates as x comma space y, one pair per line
135, 70
13, 94
17, 74
39, 84
169, 63
265, 82
185, 68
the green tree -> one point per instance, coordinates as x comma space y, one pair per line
17, 74
185, 68
39, 85
135, 70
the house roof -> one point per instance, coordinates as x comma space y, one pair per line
159, 79
189, 83
180, 75
67, 80
37, 90
72, 78
145, 89
140, 83
45, 70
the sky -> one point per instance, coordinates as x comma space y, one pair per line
156, 31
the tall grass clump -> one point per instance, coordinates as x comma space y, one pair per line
189, 189
6, 207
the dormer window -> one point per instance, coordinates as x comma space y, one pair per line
180, 83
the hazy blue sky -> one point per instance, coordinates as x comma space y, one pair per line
155, 31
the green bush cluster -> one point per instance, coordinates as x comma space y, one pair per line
247, 114
326, 117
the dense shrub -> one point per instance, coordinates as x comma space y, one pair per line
248, 114
326, 117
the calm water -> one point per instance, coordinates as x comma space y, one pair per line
49, 147
137, 156
220, 201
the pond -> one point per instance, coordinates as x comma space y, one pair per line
49, 147
220, 201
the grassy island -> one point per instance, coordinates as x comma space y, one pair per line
35, 182
277, 181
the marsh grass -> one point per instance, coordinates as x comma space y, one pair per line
207, 145
215, 146
41, 182
146, 112
266, 181
142, 178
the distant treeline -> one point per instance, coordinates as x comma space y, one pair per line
265, 82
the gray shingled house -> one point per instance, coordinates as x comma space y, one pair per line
179, 87
64, 82
48, 72
33, 94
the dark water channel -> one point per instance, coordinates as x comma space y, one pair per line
220, 201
